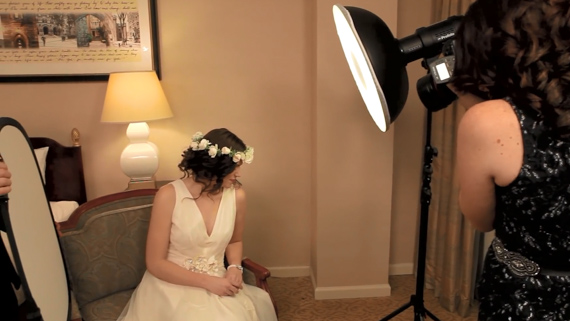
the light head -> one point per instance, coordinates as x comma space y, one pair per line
378, 61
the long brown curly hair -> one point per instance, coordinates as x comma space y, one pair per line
518, 49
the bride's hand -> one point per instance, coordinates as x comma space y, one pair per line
235, 277
222, 287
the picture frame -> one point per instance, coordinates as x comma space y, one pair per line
77, 40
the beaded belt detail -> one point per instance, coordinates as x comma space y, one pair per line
200, 264
518, 264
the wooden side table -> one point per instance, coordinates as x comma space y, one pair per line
141, 185
159, 184
147, 184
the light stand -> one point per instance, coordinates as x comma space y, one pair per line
378, 62
434, 96
417, 299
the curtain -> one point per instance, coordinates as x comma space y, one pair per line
453, 246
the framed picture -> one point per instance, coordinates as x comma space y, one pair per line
76, 40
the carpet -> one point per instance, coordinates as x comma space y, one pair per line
295, 302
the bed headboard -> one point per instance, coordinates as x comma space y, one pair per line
64, 169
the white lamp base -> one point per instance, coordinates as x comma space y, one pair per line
139, 160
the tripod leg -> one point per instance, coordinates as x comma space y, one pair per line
397, 311
431, 315
418, 316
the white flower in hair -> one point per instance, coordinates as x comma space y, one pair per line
237, 157
203, 144
200, 143
197, 137
248, 155
213, 151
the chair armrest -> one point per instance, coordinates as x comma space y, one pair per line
58, 229
261, 274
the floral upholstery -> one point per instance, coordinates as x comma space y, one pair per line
104, 254
108, 308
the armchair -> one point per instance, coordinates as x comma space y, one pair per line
103, 243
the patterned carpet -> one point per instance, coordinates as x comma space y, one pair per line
295, 302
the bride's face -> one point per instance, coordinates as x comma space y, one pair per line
232, 177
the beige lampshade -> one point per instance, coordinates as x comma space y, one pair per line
134, 97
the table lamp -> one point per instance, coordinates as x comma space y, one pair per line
135, 98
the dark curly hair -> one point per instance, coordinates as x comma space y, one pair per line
518, 49
208, 171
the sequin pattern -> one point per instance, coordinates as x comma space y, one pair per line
532, 218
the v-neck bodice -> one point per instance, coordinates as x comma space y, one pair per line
190, 243
202, 214
191, 248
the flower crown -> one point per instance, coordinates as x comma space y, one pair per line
200, 143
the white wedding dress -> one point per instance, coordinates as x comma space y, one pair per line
193, 249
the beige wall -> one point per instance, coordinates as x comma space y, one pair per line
320, 190
409, 146
353, 167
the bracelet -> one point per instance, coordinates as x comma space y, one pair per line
239, 267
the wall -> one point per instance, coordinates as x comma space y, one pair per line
353, 167
320, 189
408, 149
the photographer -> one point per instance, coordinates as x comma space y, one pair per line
512, 73
5, 182
8, 276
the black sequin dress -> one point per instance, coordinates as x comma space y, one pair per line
532, 218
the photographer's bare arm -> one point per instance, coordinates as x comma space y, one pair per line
5, 179
157, 249
489, 152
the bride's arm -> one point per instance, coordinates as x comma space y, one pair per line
234, 250
158, 240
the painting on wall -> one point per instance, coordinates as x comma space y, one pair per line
72, 40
